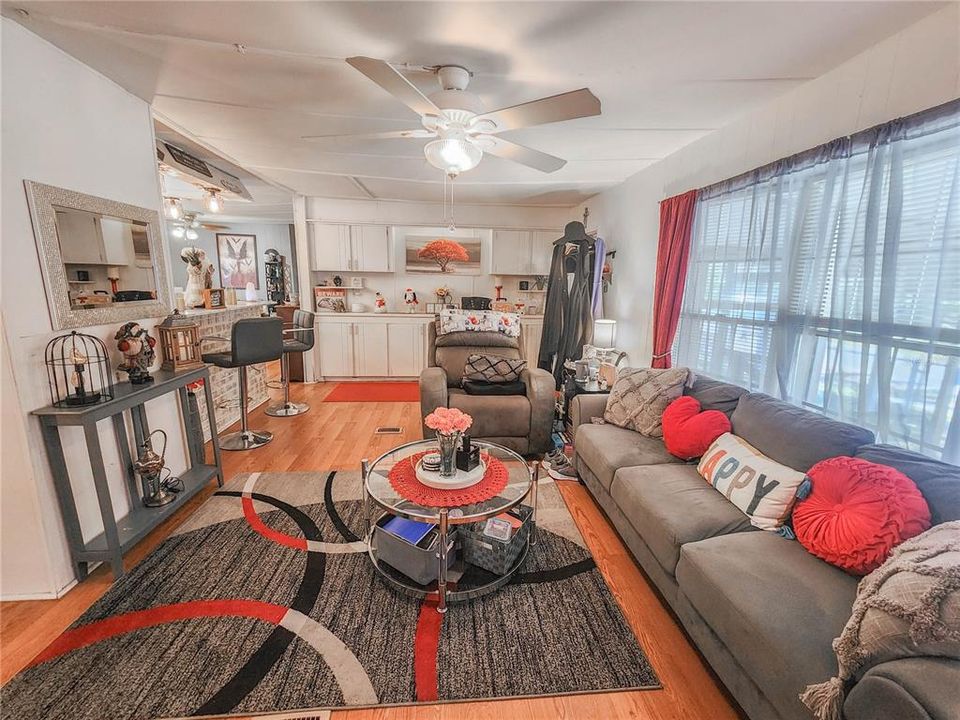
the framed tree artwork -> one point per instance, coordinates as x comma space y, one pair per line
237, 255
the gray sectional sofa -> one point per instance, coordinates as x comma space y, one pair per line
760, 608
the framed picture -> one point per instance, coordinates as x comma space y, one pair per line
237, 255
442, 255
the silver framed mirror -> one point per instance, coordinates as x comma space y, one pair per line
102, 260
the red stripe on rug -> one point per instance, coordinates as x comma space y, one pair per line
268, 532
375, 392
426, 641
128, 622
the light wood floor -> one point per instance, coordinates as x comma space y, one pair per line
337, 436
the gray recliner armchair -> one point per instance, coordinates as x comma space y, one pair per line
523, 423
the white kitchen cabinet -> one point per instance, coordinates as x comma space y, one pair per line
330, 246
335, 349
80, 239
531, 330
370, 248
407, 349
541, 250
117, 242
370, 346
345, 248
370, 349
523, 252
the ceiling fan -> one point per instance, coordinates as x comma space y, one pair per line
463, 128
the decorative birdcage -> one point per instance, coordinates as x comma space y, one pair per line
78, 370
180, 342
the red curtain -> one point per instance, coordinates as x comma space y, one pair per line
673, 249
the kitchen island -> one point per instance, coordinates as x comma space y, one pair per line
225, 382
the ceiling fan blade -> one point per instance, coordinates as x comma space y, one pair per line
521, 154
565, 106
415, 133
387, 77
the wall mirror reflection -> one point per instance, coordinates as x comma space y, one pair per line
102, 259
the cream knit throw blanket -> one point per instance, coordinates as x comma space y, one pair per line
908, 607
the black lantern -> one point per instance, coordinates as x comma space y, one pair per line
78, 370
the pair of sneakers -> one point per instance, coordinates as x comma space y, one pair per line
558, 466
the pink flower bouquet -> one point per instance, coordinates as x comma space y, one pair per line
447, 421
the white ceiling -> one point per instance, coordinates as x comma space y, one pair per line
665, 72
270, 202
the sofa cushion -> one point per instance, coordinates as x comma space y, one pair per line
794, 436
607, 448
485, 367
494, 416
713, 394
670, 505
775, 606
939, 482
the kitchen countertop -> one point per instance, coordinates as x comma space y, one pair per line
397, 315
229, 308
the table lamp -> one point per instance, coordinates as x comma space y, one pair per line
604, 333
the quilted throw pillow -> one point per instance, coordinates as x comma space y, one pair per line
640, 395
908, 607
764, 489
493, 368
456, 320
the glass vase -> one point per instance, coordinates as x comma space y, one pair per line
449, 442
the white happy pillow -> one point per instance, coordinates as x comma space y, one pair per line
764, 489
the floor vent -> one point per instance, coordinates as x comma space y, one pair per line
388, 430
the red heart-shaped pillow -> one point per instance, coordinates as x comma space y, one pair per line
687, 432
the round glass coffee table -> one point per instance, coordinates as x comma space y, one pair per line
379, 497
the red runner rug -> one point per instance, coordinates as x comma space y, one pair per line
375, 392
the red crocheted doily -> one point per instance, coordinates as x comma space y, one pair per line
404, 480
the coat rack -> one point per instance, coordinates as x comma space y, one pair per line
593, 233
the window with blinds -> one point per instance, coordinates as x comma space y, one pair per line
833, 280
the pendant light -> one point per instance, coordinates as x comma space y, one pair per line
212, 202
172, 209
178, 232
192, 234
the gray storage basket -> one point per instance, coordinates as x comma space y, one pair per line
492, 554
419, 564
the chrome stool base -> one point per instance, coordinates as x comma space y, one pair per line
245, 440
287, 409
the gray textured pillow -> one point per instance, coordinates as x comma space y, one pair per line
493, 368
907, 607
640, 395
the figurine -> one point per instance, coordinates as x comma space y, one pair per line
337, 280
410, 298
199, 275
380, 304
137, 345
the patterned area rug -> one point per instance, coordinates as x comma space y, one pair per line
265, 600
374, 392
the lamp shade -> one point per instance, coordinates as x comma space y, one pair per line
453, 155
604, 333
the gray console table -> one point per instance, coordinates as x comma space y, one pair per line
121, 534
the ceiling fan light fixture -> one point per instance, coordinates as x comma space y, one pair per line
212, 202
453, 155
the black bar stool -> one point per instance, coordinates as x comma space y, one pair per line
302, 341
252, 341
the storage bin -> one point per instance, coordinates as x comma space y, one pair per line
492, 554
419, 564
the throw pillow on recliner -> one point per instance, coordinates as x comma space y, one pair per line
687, 432
493, 368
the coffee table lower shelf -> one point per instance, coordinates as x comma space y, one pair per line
408, 587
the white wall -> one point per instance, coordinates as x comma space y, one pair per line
269, 235
66, 125
915, 69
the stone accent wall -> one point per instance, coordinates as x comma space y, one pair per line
225, 383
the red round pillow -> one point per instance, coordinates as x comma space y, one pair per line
689, 433
857, 512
